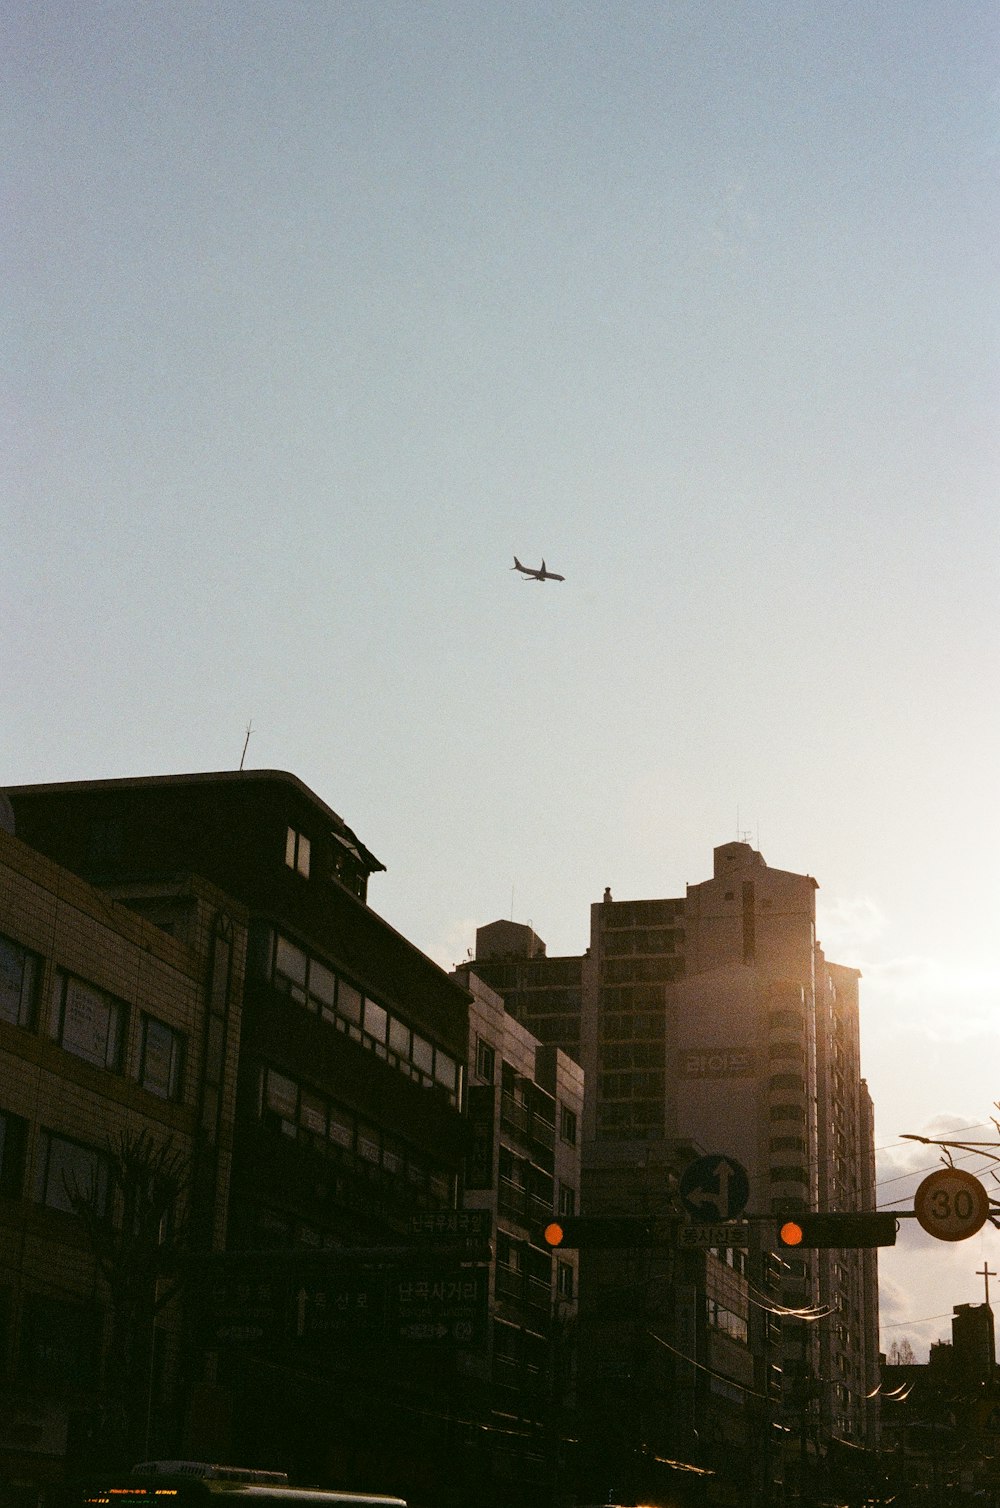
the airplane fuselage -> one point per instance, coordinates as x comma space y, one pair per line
542, 574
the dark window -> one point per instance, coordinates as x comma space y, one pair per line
486, 1061
87, 1021
788, 1175
567, 1125
788, 1081
565, 1280
19, 973
69, 1170
162, 1059
13, 1144
567, 1200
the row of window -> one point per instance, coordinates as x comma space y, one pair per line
624, 1086
309, 1117
658, 970
633, 997
651, 940
89, 1022
310, 982
641, 913
631, 1027
632, 1055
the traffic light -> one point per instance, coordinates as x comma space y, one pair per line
573, 1232
837, 1229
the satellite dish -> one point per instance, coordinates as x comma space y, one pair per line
7, 814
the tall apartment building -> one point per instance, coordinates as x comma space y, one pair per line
715, 1019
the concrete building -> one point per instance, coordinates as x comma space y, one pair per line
525, 1105
941, 1419
327, 1350
109, 1027
714, 1019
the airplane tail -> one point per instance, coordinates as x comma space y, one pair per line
517, 566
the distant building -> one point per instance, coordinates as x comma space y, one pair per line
525, 1106
714, 1019
941, 1420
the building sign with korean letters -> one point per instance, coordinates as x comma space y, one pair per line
477, 1224
717, 1063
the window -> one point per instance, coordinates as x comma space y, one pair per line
564, 1280
376, 1021
341, 1127
18, 979
349, 1002
312, 1115
281, 1099
87, 1022
297, 852
161, 1059
290, 965
567, 1200
399, 1038
423, 1055
68, 1170
787, 1081
486, 1061
721, 1318
13, 1142
567, 1125
446, 1071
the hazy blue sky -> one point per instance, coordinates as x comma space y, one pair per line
318, 312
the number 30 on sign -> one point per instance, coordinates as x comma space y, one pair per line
951, 1204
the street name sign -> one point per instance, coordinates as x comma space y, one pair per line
702, 1234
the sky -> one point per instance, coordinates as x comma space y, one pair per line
317, 312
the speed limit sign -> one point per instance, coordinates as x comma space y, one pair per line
951, 1204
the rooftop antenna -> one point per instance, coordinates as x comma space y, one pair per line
246, 741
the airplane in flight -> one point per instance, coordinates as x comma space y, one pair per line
533, 575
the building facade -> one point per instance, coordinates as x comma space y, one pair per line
324, 1343
714, 1020
525, 1104
118, 1055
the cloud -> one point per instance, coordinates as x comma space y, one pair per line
849, 924
455, 944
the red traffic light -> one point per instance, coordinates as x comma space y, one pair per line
572, 1232
839, 1229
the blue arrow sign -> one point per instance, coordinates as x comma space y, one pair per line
714, 1188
